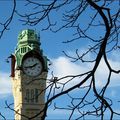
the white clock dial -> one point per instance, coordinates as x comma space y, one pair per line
32, 66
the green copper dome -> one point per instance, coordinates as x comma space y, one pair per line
28, 40
28, 37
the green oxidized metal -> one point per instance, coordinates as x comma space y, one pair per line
27, 41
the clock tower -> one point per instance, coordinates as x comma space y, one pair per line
28, 73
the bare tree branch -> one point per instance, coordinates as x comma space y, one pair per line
8, 21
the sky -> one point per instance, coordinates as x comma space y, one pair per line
52, 45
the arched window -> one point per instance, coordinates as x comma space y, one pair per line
21, 50
25, 49
27, 95
32, 95
36, 95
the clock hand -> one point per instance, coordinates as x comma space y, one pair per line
34, 64
31, 66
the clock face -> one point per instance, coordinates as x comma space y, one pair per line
32, 66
